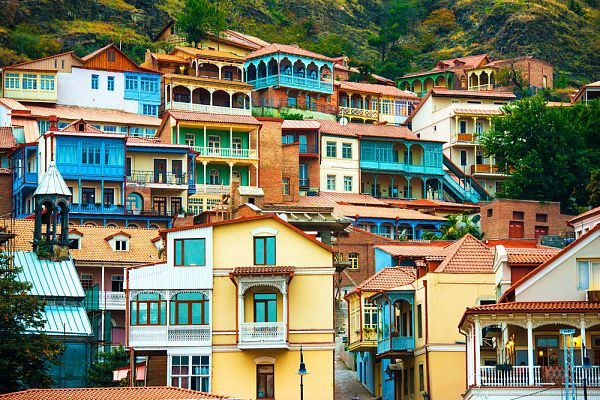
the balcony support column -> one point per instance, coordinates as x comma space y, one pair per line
230, 105
204, 144
530, 350
456, 128
470, 366
231, 173
230, 140
583, 340
477, 340
375, 185
204, 164
285, 310
240, 311
103, 309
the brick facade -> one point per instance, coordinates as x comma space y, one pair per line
276, 98
290, 170
5, 193
270, 160
532, 70
356, 240
499, 215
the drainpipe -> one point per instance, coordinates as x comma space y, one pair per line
427, 340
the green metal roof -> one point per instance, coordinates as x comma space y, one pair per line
66, 320
49, 278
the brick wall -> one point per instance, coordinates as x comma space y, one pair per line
534, 71
270, 160
145, 192
5, 194
497, 216
290, 169
271, 97
361, 242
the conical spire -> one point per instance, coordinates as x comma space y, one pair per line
52, 183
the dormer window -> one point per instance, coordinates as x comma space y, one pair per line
119, 241
75, 238
121, 245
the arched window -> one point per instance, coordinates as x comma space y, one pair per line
154, 226
287, 70
135, 202
111, 225
132, 226
189, 309
312, 74
214, 177
148, 309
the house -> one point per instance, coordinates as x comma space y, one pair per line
226, 149
7, 145
543, 332
202, 80
373, 103
523, 219
306, 135
206, 308
339, 169
587, 93
458, 118
534, 74
115, 393
291, 80
585, 221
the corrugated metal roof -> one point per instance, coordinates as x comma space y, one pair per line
52, 183
49, 278
67, 320
300, 124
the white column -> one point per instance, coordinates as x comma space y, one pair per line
530, 350
285, 316
220, 71
240, 313
504, 341
204, 163
470, 372
103, 294
230, 173
231, 139
583, 340
476, 339
205, 145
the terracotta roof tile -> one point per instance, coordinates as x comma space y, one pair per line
13, 104
169, 58
383, 212
472, 111
535, 306
89, 114
385, 90
585, 215
7, 139
467, 256
387, 278
354, 129
205, 117
530, 255
275, 48
210, 54
429, 251
263, 270
93, 246
299, 124
352, 198
87, 128
472, 93
111, 393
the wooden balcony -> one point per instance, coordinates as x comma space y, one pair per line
260, 335
350, 112
157, 180
169, 335
112, 300
205, 108
367, 341
226, 153
484, 169
542, 376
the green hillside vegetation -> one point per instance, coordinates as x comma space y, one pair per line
389, 37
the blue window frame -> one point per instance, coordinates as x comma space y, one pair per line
95, 82
265, 307
90, 154
149, 109
148, 84
29, 81
110, 83
190, 252
264, 250
131, 82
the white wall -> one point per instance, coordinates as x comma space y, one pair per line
585, 225
76, 89
340, 167
4, 116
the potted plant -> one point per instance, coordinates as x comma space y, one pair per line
181, 212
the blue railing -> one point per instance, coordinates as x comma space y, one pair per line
465, 194
399, 343
31, 177
400, 167
294, 81
97, 209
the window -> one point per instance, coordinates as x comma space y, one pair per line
518, 215
370, 314
148, 84
347, 150
546, 350
264, 250
463, 158
285, 186
87, 280
43, 126
540, 231
353, 259
95, 82
131, 82
190, 252
588, 273
419, 321
190, 139
11, 81
90, 154
128, 166
110, 83
214, 144
117, 283
121, 245
47, 82
149, 109
189, 309
108, 196
490, 212
331, 182
479, 157
347, 184
421, 378
292, 101
135, 202
148, 309
541, 217
265, 307
331, 149
462, 127
386, 107
110, 55
265, 381
88, 195
74, 243
29, 82
110, 129
214, 177
191, 372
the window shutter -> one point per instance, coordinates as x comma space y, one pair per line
583, 273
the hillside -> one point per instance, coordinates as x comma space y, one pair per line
563, 32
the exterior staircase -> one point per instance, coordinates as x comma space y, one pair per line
462, 187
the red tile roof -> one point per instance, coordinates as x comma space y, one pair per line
386, 279
434, 250
535, 307
7, 139
352, 211
13, 104
587, 214
355, 129
111, 393
353, 198
90, 114
87, 128
467, 256
219, 118
472, 93
263, 270
151, 142
384, 90
530, 255
472, 111
299, 124
275, 48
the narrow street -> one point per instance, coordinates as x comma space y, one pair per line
347, 386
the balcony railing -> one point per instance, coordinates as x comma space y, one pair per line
112, 300
484, 169
162, 335
367, 164
486, 86
262, 334
223, 152
519, 376
213, 189
285, 103
293, 81
465, 137
359, 112
147, 177
97, 209
399, 343
306, 148
205, 108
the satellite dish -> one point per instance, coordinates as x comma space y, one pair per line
343, 121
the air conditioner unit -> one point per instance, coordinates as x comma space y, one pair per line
593, 295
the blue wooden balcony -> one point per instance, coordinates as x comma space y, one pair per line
398, 344
91, 171
400, 167
97, 209
294, 82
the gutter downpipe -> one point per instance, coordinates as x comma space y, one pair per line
427, 339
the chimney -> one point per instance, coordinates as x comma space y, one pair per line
236, 198
53, 122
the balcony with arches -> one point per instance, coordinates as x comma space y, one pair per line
214, 100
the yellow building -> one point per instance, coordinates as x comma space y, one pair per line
234, 322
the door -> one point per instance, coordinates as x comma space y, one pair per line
236, 146
160, 170
160, 205
303, 146
177, 171
516, 230
541, 231
88, 195
176, 205
303, 175
109, 197
214, 144
377, 379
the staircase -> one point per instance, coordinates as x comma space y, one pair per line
462, 187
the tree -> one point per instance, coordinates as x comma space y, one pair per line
593, 188
199, 18
457, 227
549, 152
25, 351
100, 374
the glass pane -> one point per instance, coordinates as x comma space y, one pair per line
133, 313
205, 360
205, 385
182, 317
270, 251
178, 254
195, 360
163, 313
259, 251
194, 252
195, 383
272, 311
184, 382
190, 296
206, 314
265, 296
260, 312
196, 313
143, 313
270, 386
172, 312
175, 382
153, 313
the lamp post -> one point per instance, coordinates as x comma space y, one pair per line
302, 371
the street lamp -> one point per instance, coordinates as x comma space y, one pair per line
302, 371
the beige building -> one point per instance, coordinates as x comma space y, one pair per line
339, 170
